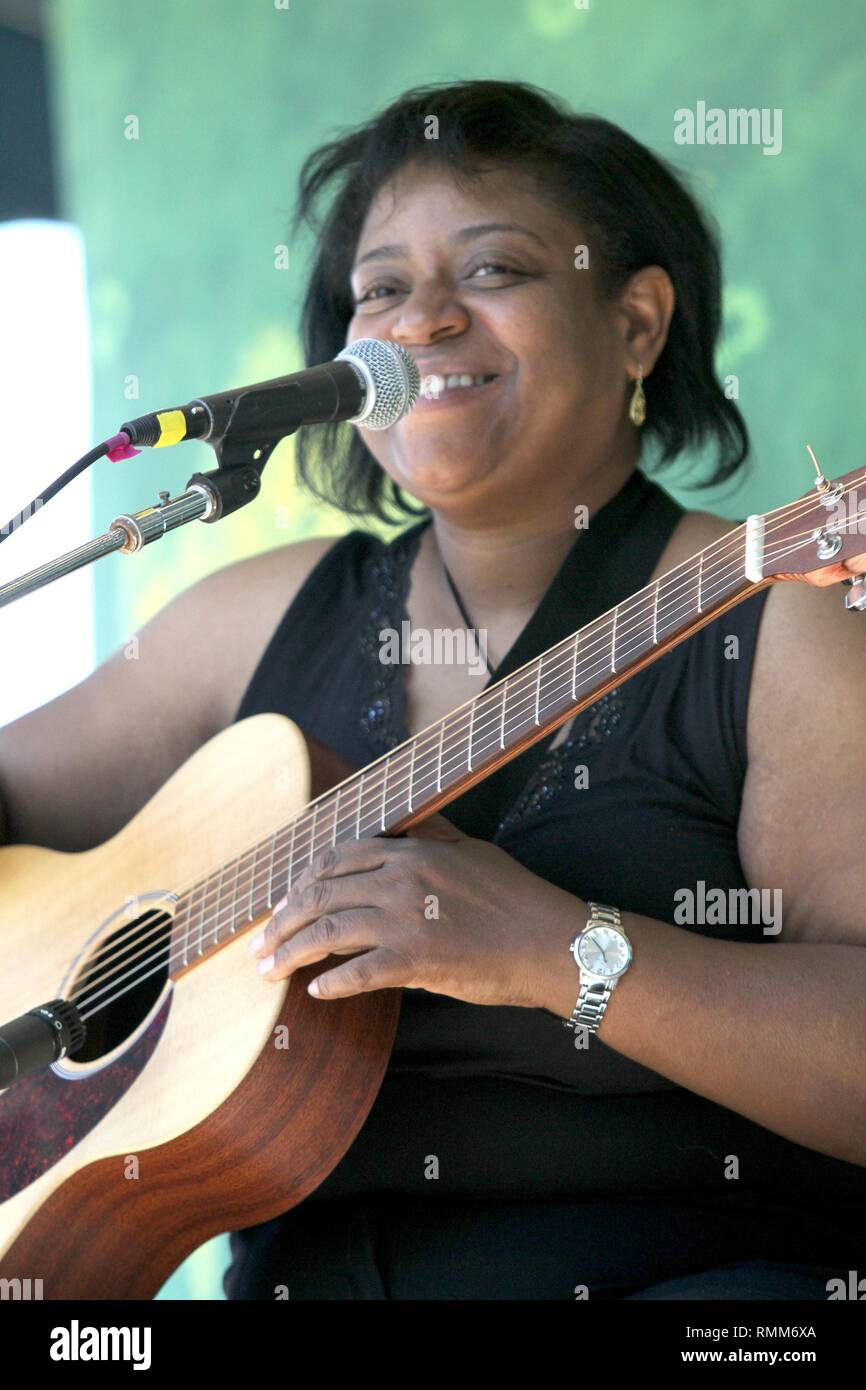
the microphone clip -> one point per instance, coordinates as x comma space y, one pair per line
237, 480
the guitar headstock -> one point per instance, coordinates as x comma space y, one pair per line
822, 538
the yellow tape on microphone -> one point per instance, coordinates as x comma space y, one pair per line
172, 428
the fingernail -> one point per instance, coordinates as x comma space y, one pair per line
266, 964
257, 943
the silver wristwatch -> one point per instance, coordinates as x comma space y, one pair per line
603, 954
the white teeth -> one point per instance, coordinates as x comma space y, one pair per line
434, 384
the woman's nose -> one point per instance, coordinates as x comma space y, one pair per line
431, 311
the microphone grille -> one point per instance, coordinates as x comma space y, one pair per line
392, 379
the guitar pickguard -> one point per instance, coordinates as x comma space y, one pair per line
43, 1117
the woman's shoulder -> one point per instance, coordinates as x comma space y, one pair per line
694, 531
810, 663
798, 627
285, 590
243, 603
263, 584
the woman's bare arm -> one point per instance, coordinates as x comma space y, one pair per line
74, 771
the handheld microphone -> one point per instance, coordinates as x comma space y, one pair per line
372, 382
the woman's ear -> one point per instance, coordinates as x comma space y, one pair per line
646, 307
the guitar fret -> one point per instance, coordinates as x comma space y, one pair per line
252, 883
405, 797
502, 721
218, 914
580, 679
336, 818
204, 898
485, 705
663, 623
179, 933
656, 614
439, 759
469, 751
291, 870
185, 952
540, 663
313, 832
700, 581
613, 641
358, 810
574, 667
233, 908
351, 817
271, 871
412, 776
471, 726
385, 789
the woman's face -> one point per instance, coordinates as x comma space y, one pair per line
480, 281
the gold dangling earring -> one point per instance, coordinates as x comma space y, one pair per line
637, 408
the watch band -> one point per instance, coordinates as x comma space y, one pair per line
594, 993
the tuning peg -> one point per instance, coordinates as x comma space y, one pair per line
828, 494
820, 482
856, 595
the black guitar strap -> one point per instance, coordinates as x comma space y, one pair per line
610, 559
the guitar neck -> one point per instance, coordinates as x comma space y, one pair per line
441, 762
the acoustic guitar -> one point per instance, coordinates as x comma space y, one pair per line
189, 1096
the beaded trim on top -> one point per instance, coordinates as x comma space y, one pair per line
382, 717
590, 728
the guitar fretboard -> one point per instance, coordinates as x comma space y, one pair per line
440, 762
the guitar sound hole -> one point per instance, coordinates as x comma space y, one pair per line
118, 985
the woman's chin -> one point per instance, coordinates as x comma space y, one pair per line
438, 481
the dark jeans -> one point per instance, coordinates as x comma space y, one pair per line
437, 1248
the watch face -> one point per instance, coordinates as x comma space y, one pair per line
603, 951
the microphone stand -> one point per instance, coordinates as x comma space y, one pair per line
30, 1041
208, 497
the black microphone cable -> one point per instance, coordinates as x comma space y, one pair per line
117, 447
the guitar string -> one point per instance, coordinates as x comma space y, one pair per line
139, 979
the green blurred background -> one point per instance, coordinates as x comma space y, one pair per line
181, 224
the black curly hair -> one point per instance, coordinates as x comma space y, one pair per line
636, 211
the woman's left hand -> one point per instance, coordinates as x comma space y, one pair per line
434, 910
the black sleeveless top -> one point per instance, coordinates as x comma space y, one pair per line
503, 1098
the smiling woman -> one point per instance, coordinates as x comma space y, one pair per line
541, 267
511, 197
542, 340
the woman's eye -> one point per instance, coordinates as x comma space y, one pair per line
484, 271
373, 293
495, 267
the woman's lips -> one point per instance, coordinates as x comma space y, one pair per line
436, 394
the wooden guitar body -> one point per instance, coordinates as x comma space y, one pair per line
229, 1102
